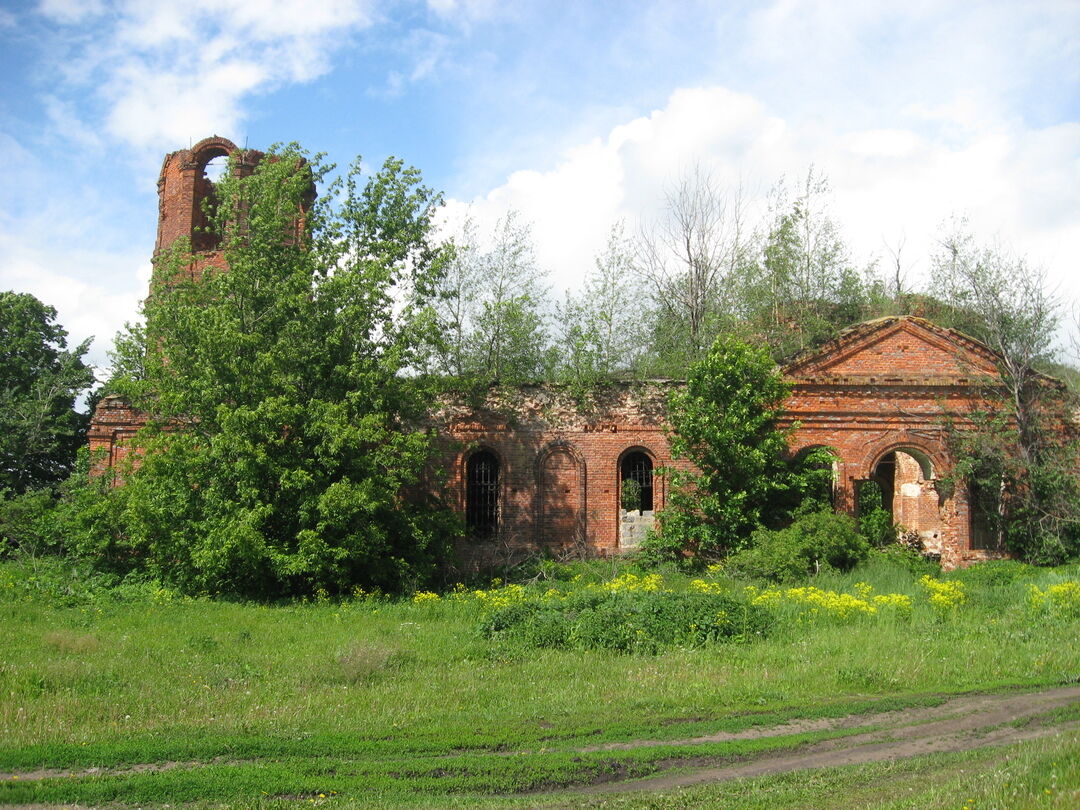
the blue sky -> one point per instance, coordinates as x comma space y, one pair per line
577, 114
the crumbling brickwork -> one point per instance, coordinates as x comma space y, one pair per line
533, 470
881, 392
560, 464
184, 191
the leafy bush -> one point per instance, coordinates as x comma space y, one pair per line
1060, 601
726, 420
906, 558
302, 461
993, 573
639, 621
815, 541
27, 523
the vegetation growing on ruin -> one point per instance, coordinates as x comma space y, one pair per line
421, 701
285, 438
299, 374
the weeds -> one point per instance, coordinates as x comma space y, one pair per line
94, 674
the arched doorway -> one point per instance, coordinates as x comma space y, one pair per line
903, 485
637, 496
482, 494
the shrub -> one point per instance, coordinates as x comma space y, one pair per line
906, 558
1059, 601
993, 573
727, 421
943, 594
815, 541
28, 523
626, 621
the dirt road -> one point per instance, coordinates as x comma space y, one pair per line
960, 724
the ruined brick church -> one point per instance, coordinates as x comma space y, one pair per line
531, 470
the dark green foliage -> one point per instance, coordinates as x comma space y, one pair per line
994, 573
1027, 502
635, 621
284, 458
27, 523
40, 379
1021, 460
875, 521
907, 558
814, 542
725, 421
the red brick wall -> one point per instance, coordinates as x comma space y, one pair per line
559, 463
182, 186
559, 480
112, 427
890, 385
880, 387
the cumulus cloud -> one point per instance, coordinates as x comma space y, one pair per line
887, 184
162, 73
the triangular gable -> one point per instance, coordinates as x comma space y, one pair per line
900, 349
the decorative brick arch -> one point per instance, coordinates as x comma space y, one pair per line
500, 488
631, 527
879, 387
182, 187
561, 501
932, 456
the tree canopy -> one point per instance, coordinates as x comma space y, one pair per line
725, 420
40, 380
284, 456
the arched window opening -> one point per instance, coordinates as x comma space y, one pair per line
482, 494
215, 168
212, 167
907, 492
636, 476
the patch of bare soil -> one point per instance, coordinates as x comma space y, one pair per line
960, 724
63, 773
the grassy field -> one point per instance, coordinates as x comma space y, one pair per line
372, 702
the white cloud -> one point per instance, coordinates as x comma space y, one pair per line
70, 11
1014, 183
464, 10
89, 303
168, 72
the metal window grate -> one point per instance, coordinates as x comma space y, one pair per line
638, 467
482, 494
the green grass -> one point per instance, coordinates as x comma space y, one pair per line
410, 703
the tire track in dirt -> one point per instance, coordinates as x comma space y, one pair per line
960, 724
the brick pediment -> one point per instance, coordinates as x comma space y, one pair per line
897, 350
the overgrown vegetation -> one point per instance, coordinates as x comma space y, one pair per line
437, 700
725, 421
284, 456
284, 437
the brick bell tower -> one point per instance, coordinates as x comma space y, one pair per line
184, 191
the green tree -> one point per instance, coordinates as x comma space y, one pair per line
284, 456
805, 287
40, 380
691, 259
1021, 460
601, 330
725, 420
489, 307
